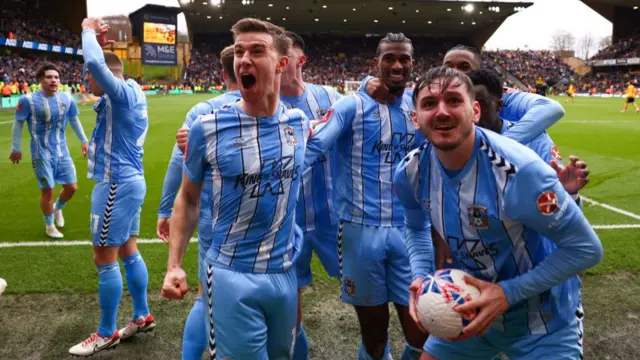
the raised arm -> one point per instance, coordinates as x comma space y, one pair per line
533, 114
537, 200
94, 60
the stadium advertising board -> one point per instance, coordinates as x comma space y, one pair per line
33, 45
159, 40
613, 62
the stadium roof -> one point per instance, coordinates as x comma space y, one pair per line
466, 19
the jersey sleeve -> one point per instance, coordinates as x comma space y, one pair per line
545, 148
197, 110
329, 129
23, 109
536, 199
195, 161
417, 220
94, 59
73, 109
531, 113
172, 182
363, 84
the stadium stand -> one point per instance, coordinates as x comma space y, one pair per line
36, 27
623, 48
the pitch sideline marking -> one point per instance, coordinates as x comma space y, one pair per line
75, 243
195, 240
612, 208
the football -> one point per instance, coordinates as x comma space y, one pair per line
3, 285
437, 297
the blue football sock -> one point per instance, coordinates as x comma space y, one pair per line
59, 204
137, 280
364, 355
301, 349
194, 339
411, 353
48, 219
109, 292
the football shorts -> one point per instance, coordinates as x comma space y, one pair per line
56, 170
115, 212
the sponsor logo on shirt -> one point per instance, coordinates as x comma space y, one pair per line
547, 203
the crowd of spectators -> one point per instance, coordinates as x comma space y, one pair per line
528, 66
14, 67
16, 24
622, 48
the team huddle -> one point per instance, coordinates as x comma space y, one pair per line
385, 185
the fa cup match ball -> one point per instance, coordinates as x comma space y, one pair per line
3, 285
438, 296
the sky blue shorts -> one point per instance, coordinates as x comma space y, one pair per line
56, 170
115, 212
253, 315
564, 344
324, 241
375, 265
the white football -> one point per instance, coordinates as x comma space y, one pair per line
439, 294
3, 285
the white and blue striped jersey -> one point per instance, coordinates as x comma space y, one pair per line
256, 168
46, 118
370, 140
115, 149
315, 204
506, 219
173, 177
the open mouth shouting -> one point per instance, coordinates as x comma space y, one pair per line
248, 81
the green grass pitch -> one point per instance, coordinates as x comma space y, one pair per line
51, 302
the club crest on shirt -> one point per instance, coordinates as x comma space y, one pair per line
320, 113
427, 204
349, 286
477, 215
239, 143
376, 115
290, 136
555, 153
547, 203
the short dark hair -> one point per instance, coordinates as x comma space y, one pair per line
280, 40
489, 78
226, 60
444, 76
395, 38
296, 40
43, 68
471, 49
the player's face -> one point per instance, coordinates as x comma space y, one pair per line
462, 60
489, 107
296, 59
446, 116
395, 64
93, 85
50, 81
257, 64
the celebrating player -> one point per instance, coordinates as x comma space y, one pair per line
371, 139
509, 223
315, 213
194, 339
631, 98
46, 112
531, 113
254, 151
115, 162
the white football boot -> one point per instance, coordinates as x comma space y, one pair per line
57, 214
142, 324
53, 232
95, 343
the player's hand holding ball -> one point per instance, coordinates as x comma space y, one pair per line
490, 305
453, 305
175, 284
